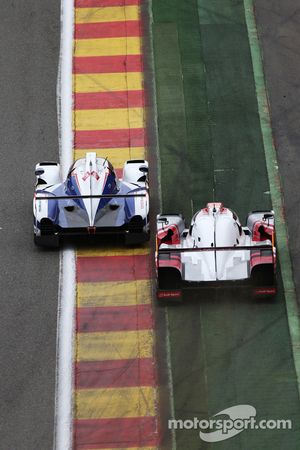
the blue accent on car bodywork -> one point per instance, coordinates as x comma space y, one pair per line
122, 210
109, 188
73, 189
52, 208
129, 208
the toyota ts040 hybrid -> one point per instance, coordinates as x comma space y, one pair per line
91, 201
216, 251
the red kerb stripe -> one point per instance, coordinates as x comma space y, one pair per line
130, 28
134, 137
119, 373
115, 433
113, 268
107, 64
103, 100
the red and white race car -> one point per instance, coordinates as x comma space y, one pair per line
215, 251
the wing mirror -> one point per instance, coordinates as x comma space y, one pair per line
268, 216
164, 220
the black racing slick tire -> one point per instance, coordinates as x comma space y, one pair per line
46, 241
132, 238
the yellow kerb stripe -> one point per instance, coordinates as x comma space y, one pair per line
116, 293
117, 156
108, 119
115, 402
114, 345
107, 14
107, 46
108, 82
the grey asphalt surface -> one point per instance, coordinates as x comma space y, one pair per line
29, 47
279, 31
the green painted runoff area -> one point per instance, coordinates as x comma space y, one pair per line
226, 348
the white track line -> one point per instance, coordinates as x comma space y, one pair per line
67, 270
65, 87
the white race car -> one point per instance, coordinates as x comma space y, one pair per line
216, 251
91, 201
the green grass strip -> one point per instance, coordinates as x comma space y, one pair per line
275, 187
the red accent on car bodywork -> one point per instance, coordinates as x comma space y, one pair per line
169, 294
257, 258
264, 291
174, 239
91, 174
262, 231
91, 230
223, 210
217, 205
174, 261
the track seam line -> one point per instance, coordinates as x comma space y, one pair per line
159, 191
170, 376
275, 186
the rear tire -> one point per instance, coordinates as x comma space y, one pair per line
46, 241
132, 238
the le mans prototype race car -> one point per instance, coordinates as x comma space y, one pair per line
216, 251
91, 201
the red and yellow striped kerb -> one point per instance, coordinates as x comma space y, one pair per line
115, 385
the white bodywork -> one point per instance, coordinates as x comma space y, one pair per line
215, 229
47, 173
135, 172
214, 226
81, 197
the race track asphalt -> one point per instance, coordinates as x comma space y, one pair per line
279, 31
226, 349
29, 47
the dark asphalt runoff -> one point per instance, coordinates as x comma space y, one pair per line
226, 348
279, 31
29, 48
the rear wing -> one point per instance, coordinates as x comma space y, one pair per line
214, 249
68, 197
161, 252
